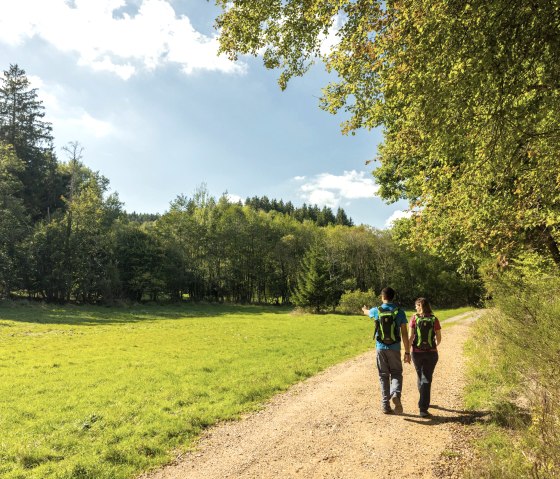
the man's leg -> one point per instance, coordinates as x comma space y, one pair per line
396, 369
384, 378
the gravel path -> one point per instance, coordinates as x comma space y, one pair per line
330, 426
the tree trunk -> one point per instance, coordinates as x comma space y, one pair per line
552, 245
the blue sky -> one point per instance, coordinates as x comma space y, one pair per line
139, 85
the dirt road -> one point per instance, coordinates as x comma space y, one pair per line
331, 426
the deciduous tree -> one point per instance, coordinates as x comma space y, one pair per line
467, 93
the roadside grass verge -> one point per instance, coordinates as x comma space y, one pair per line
513, 367
444, 314
104, 393
491, 386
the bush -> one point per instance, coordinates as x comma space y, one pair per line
532, 308
351, 302
518, 347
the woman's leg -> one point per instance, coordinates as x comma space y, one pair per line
425, 363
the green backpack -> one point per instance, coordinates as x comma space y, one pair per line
425, 332
387, 330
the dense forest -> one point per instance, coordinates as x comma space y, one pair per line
64, 238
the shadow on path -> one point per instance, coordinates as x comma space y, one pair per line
459, 417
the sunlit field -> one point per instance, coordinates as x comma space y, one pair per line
93, 392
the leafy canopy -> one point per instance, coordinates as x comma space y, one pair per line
467, 94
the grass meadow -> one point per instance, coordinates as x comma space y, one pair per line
105, 393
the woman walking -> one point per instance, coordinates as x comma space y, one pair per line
425, 335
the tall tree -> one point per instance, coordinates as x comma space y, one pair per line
316, 283
70, 251
342, 219
22, 125
13, 220
467, 93
140, 261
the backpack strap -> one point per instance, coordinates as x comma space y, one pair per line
376, 323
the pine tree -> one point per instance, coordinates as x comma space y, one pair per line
22, 125
315, 287
342, 219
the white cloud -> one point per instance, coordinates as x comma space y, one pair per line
46, 95
322, 198
154, 36
69, 117
397, 215
331, 39
327, 189
234, 198
299, 178
123, 71
93, 126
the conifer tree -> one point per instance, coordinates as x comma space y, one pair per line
342, 218
22, 125
315, 286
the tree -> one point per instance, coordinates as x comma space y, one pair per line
140, 261
476, 139
70, 250
316, 283
342, 219
353, 250
13, 219
292, 239
22, 125
467, 94
47, 264
178, 233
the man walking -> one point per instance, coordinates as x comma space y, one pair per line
390, 328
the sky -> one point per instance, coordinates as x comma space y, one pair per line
139, 84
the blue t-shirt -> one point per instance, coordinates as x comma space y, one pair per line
401, 319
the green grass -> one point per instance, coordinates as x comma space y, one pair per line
491, 385
496, 457
103, 393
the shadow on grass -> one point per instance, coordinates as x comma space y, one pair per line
457, 416
75, 315
509, 415
504, 414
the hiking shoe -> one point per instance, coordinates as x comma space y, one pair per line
386, 410
397, 403
425, 414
